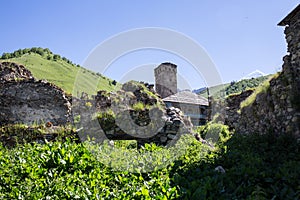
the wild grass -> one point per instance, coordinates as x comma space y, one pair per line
262, 88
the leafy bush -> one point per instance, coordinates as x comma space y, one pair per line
71, 171
256, 167
214, 131
106, 119
139, 106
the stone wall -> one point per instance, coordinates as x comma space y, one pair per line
232, 106
277, 110
25, 100
119, 121
13, 72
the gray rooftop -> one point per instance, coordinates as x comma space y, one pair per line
187, 97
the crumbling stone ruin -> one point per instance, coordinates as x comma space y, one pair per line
277, 109
232, 107
13, 72
28, 101
133, 113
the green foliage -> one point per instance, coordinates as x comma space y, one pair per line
217, 91
256, 167
106, 119
15, 134
262, 88
62, 72
88, 105
139, 106
221, 91
245, 84
71, 171
214, 132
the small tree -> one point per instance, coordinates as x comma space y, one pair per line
5, 56
56, 57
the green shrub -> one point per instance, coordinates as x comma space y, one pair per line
214, 132
106, 119
139, 106
256, 167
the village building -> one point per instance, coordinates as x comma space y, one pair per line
192, 105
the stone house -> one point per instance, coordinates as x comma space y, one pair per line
192, 105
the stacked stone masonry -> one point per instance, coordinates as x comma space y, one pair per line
278, 109
233, 105
25, 100
155, 124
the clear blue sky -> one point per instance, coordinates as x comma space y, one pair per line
240, 36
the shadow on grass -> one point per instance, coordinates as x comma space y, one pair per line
257, 167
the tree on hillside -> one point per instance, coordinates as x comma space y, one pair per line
33, 49
5, 56
48, 51
16, 54
26, 51
40, 51
56, 57
49, 57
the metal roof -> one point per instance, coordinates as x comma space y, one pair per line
291, 15
188, 98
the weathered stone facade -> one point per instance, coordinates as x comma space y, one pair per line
25, 100
277, 110
166, 79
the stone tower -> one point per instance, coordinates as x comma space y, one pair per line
166, 79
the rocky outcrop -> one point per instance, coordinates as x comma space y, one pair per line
27, 101
277, 109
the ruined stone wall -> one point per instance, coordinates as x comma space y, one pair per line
25, 100
277, 109
13, 72
232, 106
119, 121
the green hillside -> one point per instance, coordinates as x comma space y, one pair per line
216, 91
245, 84
234, 87
59, 70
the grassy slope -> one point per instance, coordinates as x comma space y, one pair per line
63, 74
216, 91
